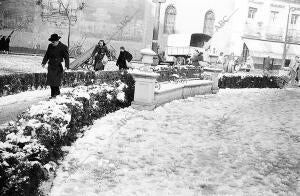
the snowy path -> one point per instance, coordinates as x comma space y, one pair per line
12, 105
238, 142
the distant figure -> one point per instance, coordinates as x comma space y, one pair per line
249, 63
268, 64
294, 65
2, 44
56, 53
6, 44
124, 59
98, 54
196, 57
221, 58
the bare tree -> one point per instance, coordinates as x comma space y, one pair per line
70, 12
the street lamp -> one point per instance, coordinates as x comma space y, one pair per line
156, 25
291, 9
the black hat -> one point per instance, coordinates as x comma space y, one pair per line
54, 37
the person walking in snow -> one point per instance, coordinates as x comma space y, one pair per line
56, 53
196, 57
6, 44
2, 43
124, 59
294, 65
100, 55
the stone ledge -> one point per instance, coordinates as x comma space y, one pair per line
182, 91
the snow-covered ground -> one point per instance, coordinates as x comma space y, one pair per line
20, 64
10, 64
12, 105
238, 142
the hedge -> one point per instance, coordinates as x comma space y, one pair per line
16, 83
250, 81
31, 147
183, 73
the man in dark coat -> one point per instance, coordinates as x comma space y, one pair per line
6, 44
56, 53
2, 43
123, 57
99, 53
198, 56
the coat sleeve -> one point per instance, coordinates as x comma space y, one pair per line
129, 57
66, 57
119, 60
46, 57
106, 50
94, 51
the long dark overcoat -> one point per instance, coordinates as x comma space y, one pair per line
55, 56
123, 57
99, 53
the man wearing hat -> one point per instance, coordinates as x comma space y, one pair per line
56, 53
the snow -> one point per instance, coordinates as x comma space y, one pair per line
167, 86
12, 105
255, 73
238, 142
21, 64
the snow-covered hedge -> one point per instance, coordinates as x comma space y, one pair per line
252, 81
31, 146
15, 83
184, 72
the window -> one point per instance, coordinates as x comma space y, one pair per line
294, 19
273, 16
209, 23
170, 18
251, 13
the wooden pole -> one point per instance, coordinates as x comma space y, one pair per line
286, 39
156, 25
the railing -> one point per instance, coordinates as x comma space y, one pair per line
294, 35
252, 30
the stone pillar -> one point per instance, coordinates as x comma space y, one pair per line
215, 78
145, 80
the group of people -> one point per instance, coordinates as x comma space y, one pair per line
229, 63
57, 52
295, 71
4, 43
101, 53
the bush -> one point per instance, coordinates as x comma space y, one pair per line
16, 83
172, 73
249, 81
31, 146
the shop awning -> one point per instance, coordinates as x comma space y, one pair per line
258, 48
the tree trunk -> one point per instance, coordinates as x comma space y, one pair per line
69, 34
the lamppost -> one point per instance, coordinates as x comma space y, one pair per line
156, 25
291, 9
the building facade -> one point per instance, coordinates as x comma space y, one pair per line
256, 28
242, 27
120, 22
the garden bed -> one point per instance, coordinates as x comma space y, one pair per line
31, 147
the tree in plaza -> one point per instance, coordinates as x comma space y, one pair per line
71, 13
62, 10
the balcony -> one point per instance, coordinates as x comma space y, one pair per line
253, 30
274, 33
294, 36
